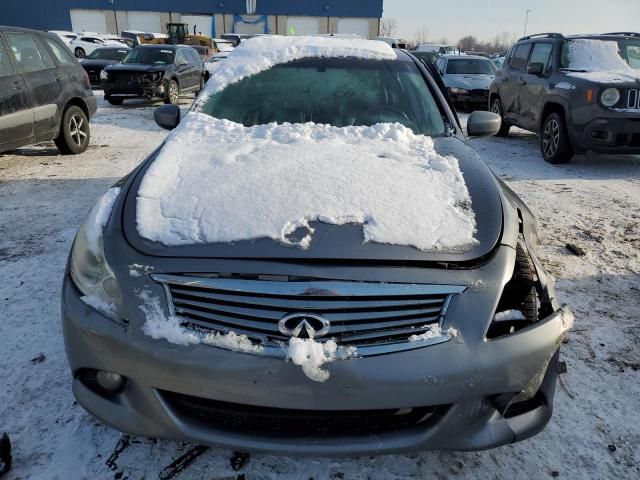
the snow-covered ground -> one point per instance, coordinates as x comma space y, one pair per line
593, 203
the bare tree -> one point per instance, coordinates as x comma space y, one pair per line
388, 27
422, 36
468, 43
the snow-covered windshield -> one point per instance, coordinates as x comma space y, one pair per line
594, 55
335, 91
470, 66
149, 56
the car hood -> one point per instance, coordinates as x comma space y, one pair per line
136, 67
469, 82
89, 63
343, 242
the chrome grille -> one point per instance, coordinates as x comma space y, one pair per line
633, 99
361, 314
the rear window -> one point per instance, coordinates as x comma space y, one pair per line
60, 52
519, 57
470, 66
5, 63
339, 92
108, 54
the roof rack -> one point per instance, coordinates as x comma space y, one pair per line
541, 35
623, 34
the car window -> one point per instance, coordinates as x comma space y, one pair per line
541, 54
470, 66
334, 91
181, 57
60, 52
149, 56
633, 56
6, 68
519, 57
30, 57
108, 54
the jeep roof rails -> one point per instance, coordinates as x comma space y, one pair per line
541, 35
625, 34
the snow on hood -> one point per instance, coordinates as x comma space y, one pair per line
98, 218
601, 61
218, 181
262, 53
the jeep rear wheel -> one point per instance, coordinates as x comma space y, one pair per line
554, 140
173, 93
74, 132
496, 107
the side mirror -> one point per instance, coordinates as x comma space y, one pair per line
483, 124
535, 69
167, 116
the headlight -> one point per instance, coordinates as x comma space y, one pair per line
460, 91
610, 97
104, 75
90, 271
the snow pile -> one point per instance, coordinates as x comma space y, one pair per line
98, 218
601, 61
258, 54
565, 86
311, 355
218, 181
435, 331
160, 326
508, 315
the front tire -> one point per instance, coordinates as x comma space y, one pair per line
173, 93
74, 133
79, 52
555, 144
114, 101
496, 107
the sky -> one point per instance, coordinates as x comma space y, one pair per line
485, 19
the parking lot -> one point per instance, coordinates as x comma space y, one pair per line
591, 203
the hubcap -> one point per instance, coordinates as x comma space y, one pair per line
551, 138
173, 93
77, 130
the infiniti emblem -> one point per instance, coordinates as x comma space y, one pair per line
304, 325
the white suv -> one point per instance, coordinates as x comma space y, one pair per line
85, 44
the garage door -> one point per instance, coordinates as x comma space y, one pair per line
88, 20
203, 23
302, 25
144, 21
359, 26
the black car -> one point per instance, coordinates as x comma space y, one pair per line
94, 63
579, 93
155, 72
44, 93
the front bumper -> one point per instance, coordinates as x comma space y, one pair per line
618, 134
467, 390
142, 90
476, 98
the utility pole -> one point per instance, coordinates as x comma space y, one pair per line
115, 15
526, 21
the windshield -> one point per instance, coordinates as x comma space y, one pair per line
108, 54
336, 91
594, 55
149, 56
430, 57
470, 66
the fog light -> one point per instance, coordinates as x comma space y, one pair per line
109, 381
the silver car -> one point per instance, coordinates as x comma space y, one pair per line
429, 348
467, 78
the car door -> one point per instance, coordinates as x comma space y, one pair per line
198, 66
16, 112
510, 80
44, 80
533, 85
184, 69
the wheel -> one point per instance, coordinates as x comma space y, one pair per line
173, 93
79, 52
114, 101
74, 132
496, 107
554, 141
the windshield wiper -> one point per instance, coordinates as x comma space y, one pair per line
573, 70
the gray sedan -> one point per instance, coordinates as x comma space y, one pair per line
333, 335
467, 78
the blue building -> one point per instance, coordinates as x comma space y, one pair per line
210, 17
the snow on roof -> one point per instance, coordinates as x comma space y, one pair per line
257, 54
269, 180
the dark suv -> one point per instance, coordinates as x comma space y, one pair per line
154, 72
44, 93
579, 93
